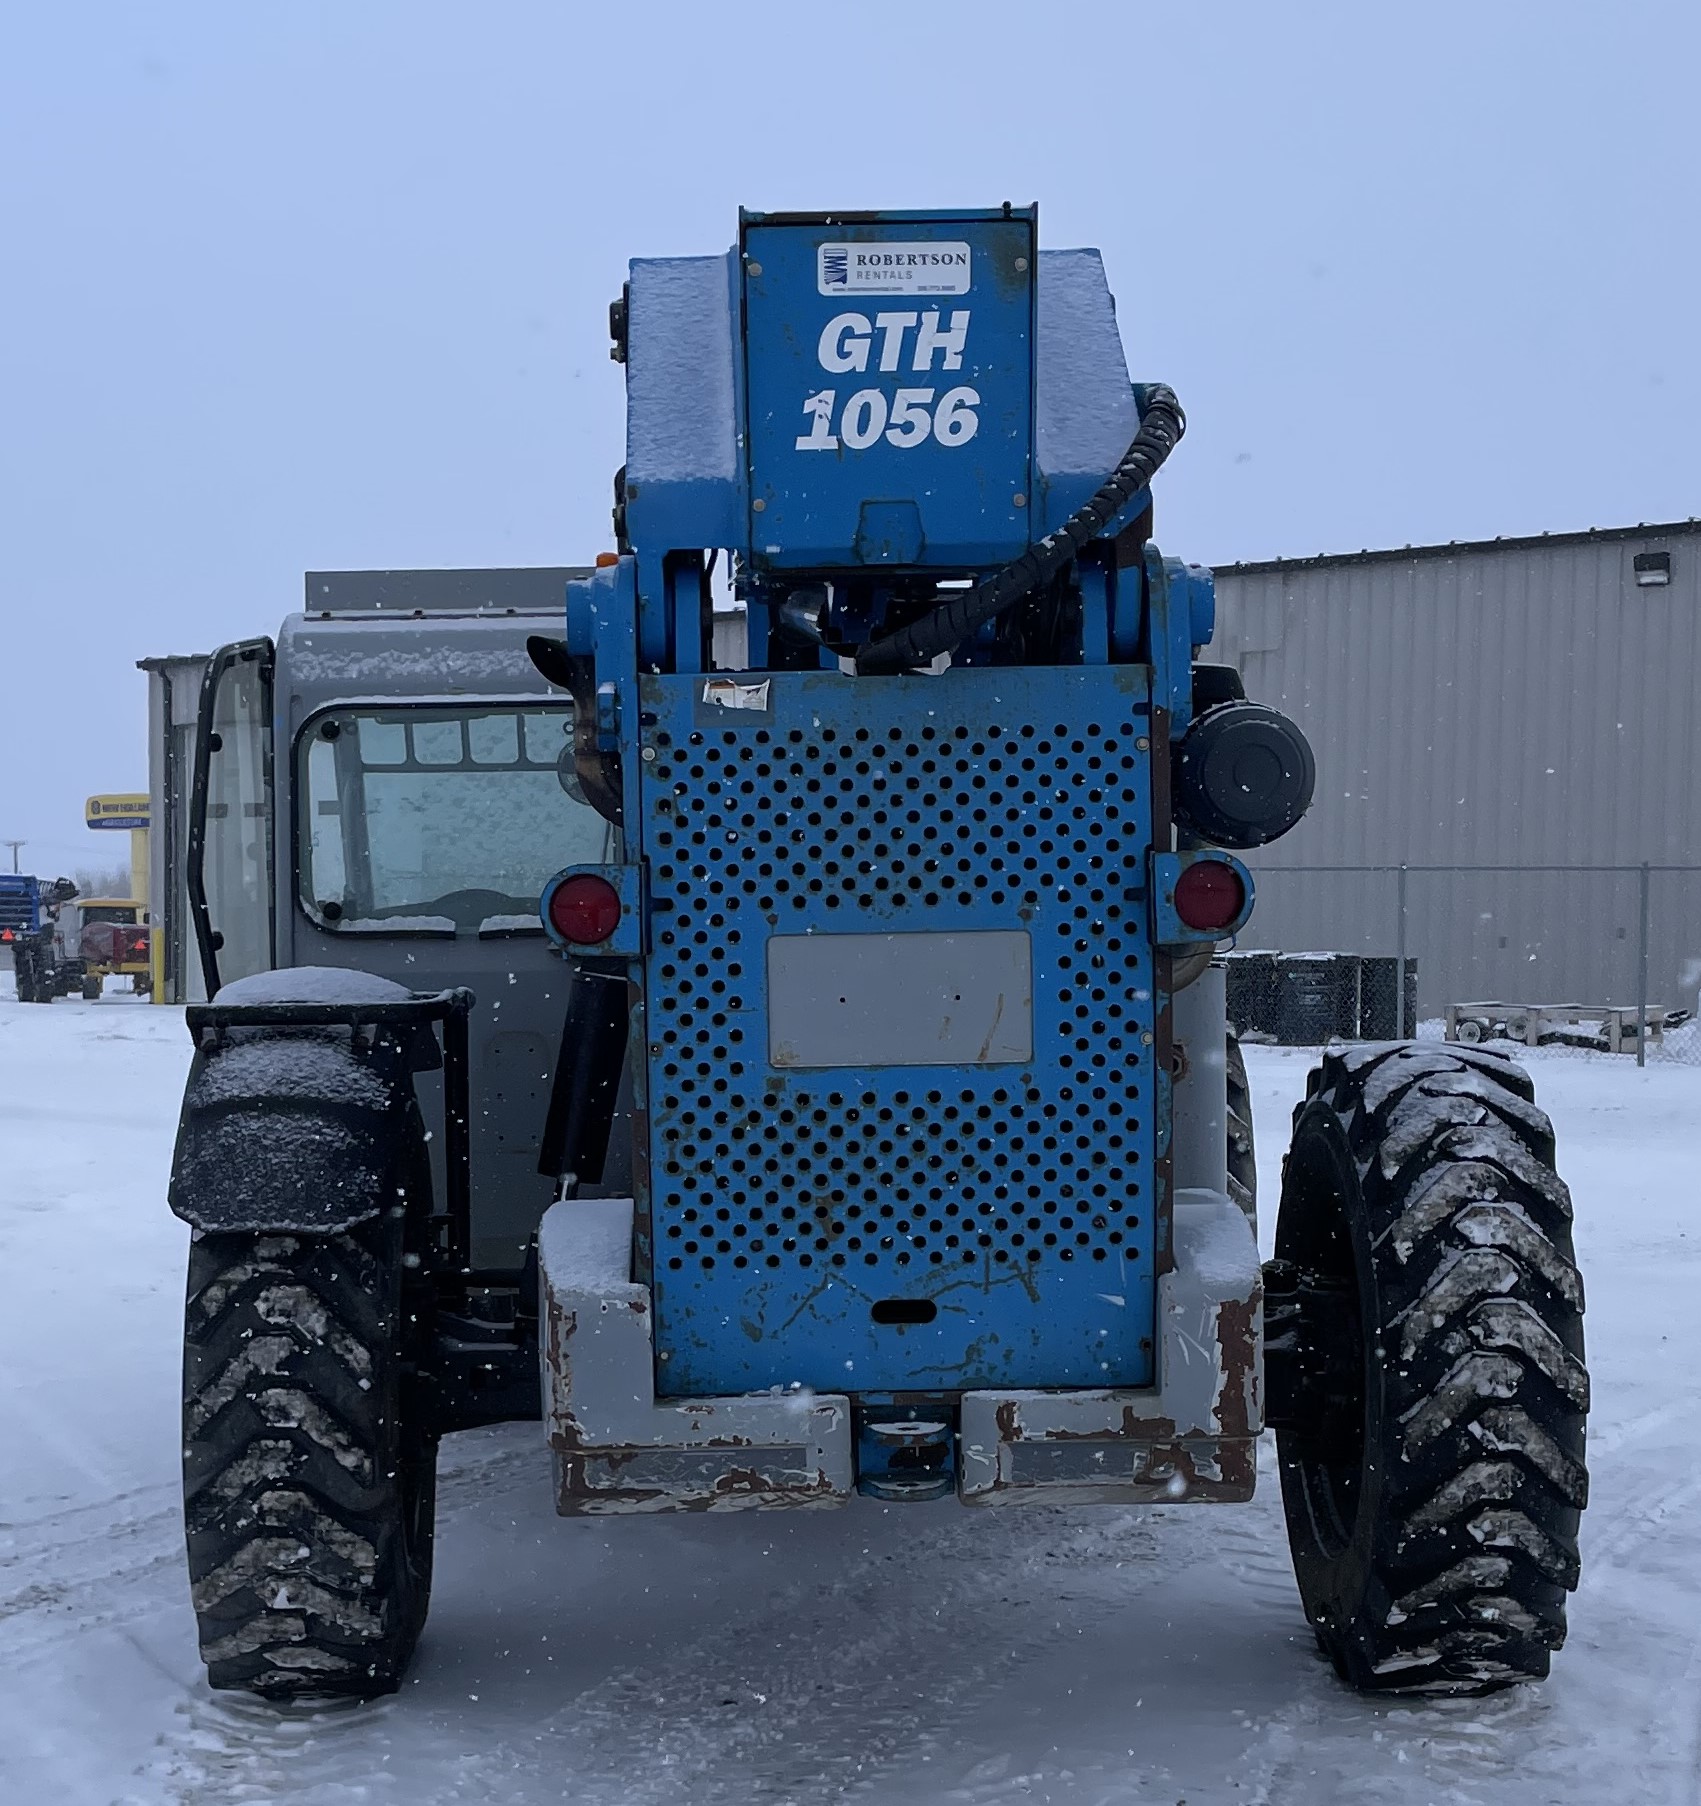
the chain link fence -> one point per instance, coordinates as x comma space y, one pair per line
1594, 958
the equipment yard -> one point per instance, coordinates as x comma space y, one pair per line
875, 1653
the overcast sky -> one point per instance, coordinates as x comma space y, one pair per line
326, 285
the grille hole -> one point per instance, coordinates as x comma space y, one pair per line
904, 1310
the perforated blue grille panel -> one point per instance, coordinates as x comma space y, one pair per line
1015, 1199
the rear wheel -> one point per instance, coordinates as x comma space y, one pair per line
33, 981
309, 1473
91, 990
1426, 1370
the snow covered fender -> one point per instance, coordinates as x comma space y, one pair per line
300, 1115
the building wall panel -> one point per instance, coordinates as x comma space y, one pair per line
1516, 703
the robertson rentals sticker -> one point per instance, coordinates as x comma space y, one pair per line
885, 267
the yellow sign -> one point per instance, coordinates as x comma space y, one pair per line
122, 811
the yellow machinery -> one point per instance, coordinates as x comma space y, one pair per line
113, 932
113, 938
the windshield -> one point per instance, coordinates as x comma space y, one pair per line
437, 820
123, 914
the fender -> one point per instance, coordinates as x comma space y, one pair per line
300, 1115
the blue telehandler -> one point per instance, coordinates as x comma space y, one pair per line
777, 1045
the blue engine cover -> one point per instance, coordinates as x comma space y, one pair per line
890, 390
1006, 1195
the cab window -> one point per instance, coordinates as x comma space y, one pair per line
418, 820
122, 915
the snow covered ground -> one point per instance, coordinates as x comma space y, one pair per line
877, 1654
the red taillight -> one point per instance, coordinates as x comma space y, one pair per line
585, 909
1209, 895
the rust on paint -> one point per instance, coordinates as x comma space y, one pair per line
732, 1488
1238, 1409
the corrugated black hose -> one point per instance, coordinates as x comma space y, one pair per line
946, 627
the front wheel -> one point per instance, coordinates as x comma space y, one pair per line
1425, 1360
309, 1475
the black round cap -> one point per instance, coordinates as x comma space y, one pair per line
1243, 775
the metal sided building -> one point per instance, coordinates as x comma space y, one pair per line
1520, 703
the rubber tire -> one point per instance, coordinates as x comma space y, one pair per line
1242, 1153
91, 990
1436, 1559
26, 977
308, 1481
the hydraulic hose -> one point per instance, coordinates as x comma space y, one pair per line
946, 627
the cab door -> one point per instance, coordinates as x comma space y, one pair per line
231, 898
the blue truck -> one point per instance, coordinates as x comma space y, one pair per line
769, 1034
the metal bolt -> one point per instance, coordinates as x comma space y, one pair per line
648, 753
1018, 500
755, 269
1142, 744
1145, 1037
665, 1355
1021, 263
758, 505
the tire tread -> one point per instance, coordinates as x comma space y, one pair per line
1482, 1379
294, 1464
